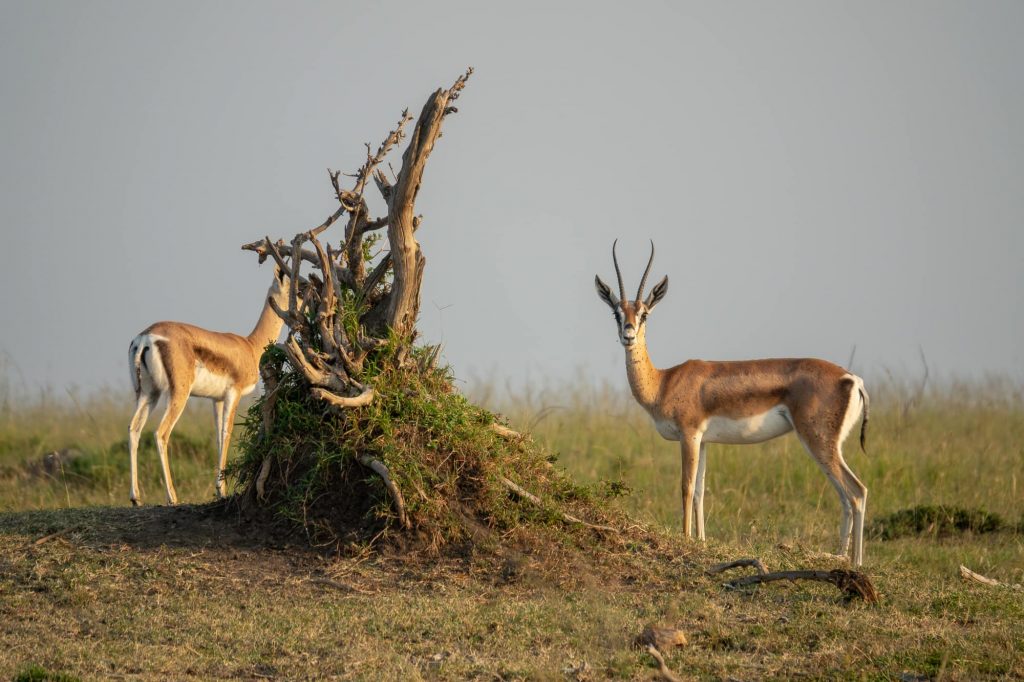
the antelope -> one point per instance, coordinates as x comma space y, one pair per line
740, 402
180, 360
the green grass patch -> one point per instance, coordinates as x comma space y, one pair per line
37, 673
935, 520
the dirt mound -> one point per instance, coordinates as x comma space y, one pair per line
420, 470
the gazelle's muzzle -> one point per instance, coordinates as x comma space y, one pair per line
628, 335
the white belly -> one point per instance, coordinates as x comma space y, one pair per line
753, 429
208, 384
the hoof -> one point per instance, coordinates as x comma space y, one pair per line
135, 503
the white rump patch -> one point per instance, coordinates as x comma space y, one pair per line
854, 407
152, 375
753, 429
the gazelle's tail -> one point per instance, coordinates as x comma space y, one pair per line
864, 416
136, 351
146, 366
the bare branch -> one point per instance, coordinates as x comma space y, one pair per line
505, 432
968, 574
293, 285
264, 248
853, 584
739, 563
407, 259
383, 184
330, 220
364, 398
533, 499
396, 495
377, 274
375, 224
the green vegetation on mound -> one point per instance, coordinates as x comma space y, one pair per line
452, 467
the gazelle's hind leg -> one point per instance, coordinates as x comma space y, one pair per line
176, 401
142, 405
858, 494
830, 460
226, 426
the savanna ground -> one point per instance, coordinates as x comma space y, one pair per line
93, 589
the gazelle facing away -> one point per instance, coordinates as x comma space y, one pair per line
179, 360
749, 401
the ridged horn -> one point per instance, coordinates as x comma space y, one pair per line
643, 280
618, 273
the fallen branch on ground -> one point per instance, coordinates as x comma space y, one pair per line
851, 583
968, 574
46, 538
530, 497
739, 563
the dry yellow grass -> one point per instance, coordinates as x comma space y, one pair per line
158, 594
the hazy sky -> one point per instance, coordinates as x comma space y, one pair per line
814, 175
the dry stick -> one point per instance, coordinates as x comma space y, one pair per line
506, 432
968, 574
364, 398
530, 497
852, 583
723, 567
52, 536
262, 250
663, 669
396, 495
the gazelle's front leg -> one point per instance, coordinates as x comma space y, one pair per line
698, 492
690, 457
218, 421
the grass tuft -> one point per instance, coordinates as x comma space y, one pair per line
36, 673
936, 520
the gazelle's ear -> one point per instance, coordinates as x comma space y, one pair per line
605, 294
657, 293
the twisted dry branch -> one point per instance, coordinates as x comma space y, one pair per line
381, 470
853, 584
739, 563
